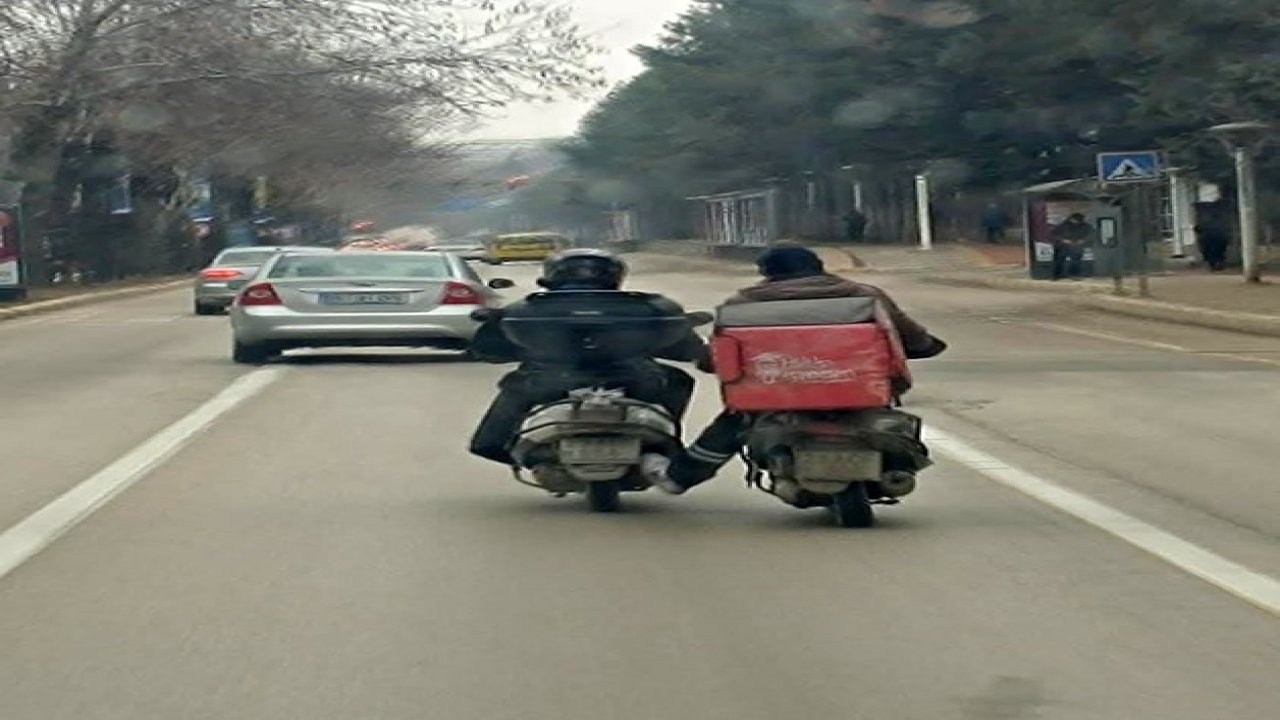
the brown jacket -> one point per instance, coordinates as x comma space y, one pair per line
915, 339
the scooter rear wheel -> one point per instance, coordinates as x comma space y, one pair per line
604, 497
852, 508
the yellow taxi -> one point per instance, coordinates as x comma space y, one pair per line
517, 247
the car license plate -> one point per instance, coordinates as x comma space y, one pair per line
599, 451
838, 464
363, 298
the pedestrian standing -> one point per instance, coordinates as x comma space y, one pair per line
855, 225
1213, 235
1070, 238
995, 221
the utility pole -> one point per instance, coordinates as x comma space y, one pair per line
1182, 202
923, 207
1146, 227
1247, 199
1243, 139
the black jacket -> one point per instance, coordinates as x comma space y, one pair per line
492, 345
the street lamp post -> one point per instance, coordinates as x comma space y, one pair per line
1243, 139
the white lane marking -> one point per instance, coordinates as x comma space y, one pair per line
1241, 358
1099, 335
1254, 587
37, 531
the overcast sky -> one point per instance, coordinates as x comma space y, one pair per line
618, 25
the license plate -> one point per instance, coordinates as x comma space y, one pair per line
599, 451
838, 464
363, 298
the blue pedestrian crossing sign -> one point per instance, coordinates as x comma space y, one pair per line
1122, 167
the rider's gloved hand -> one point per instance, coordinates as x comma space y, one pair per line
704, 361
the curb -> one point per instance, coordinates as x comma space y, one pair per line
1018, 284
1249, 323
90, 298
1100, 298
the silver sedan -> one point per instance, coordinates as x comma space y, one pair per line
216, 286
359, 298
469, 250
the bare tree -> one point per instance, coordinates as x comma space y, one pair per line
345, 90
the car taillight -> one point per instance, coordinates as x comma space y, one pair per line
260, 294
219, 274
456, 293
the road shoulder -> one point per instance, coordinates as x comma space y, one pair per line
1097, 296
89, 297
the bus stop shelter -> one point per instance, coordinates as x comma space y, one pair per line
1116, 240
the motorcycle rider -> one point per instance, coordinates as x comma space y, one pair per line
543, 380
790, 273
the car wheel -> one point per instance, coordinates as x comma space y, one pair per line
250, 353
203, 309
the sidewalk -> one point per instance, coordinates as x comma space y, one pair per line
1222, 302
62, 298
646, 261
1218, 292
941, 258
1185, 296
682, 256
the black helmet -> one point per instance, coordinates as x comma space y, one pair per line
583, 269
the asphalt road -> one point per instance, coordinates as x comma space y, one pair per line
323, 549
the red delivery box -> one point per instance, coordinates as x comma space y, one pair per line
828, 354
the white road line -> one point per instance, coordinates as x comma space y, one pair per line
1099, 335
23, 541
1240, 358
1254, 587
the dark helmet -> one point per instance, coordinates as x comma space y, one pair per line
790, 261
583, 269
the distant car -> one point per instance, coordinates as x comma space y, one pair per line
216, 286
517, 247
369, 243
370, 298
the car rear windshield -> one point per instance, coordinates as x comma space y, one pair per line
431, 267
244, 258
